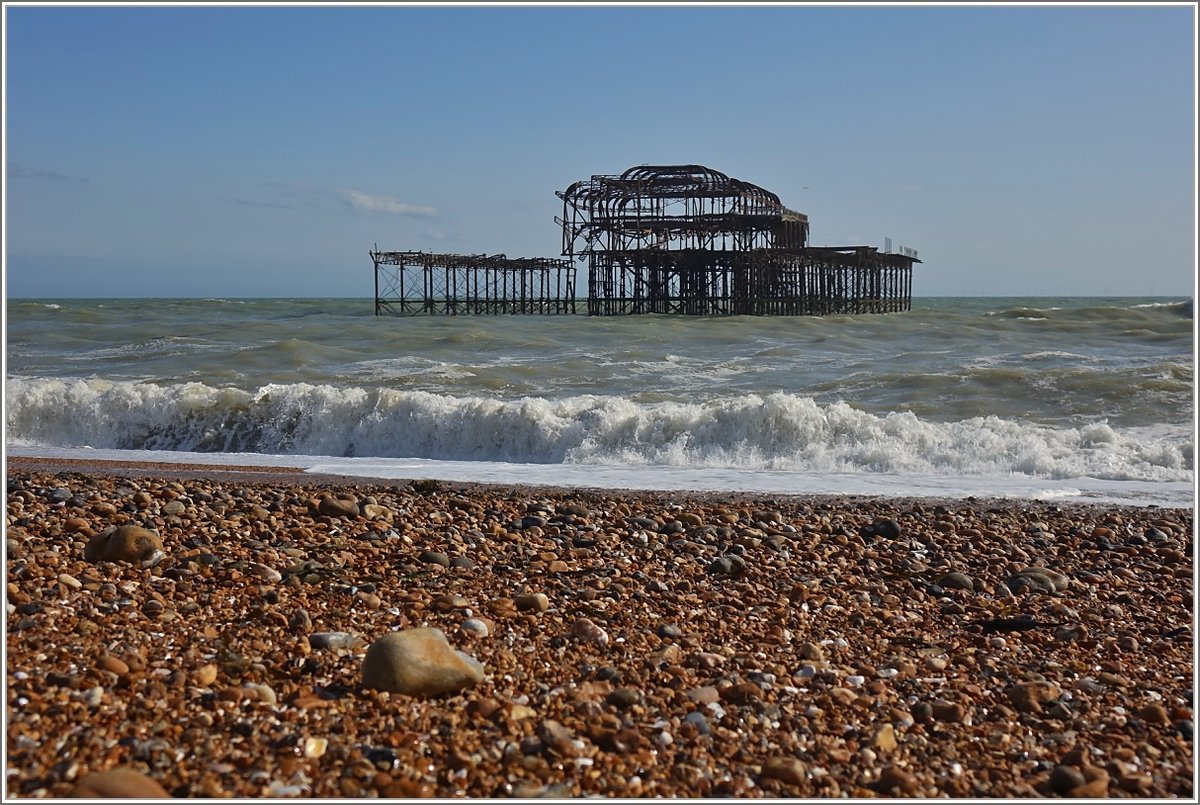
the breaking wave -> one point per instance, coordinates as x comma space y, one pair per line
777, 431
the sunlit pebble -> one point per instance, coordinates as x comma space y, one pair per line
265, 573
475, 627
998, 642
855, 681
265, 694
886, 673
584, 629
153, 559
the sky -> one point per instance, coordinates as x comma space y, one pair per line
156, 151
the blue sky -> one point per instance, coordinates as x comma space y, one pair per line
243, 151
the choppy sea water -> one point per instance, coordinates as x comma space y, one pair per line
1073, 398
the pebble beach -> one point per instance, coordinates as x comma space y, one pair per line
218, 634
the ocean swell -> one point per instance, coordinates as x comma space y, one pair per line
776, 431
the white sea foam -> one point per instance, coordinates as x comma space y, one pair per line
701, 479
770, 433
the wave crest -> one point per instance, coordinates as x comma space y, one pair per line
776, 431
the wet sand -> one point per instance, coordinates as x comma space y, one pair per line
634, 644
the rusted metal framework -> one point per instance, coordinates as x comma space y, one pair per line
687, 239
408, 283
762, 282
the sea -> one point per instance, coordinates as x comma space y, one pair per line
1082, 399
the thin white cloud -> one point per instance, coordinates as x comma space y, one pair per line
366, 202
16, 171
249, 203
297, 195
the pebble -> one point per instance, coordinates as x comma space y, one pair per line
894, 779
949, 712
623, 698
1071, 634
265, 573
956, 581
418, 662
262, 693
334, 640
434, 558
118, 783
475, 627
1065, 779
337, 507
532, 602
1028, 697
300, 622
1154, 713
885, 738
586, 631
109, 663
812, 651
742, 693
725, 565
126, 543
789, 770
450, 602
205, 675
884, 527
68, 580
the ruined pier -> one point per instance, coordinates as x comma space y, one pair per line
670, 239
423, 282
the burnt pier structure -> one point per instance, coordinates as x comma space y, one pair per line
688, 239
673, 239
452, 284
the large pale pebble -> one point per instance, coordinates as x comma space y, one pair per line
786, 769
585, 630
337, 507
127, 543
118, 783
418, 662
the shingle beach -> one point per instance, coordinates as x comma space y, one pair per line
208, 630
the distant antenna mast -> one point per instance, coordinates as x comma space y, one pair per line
887, 245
